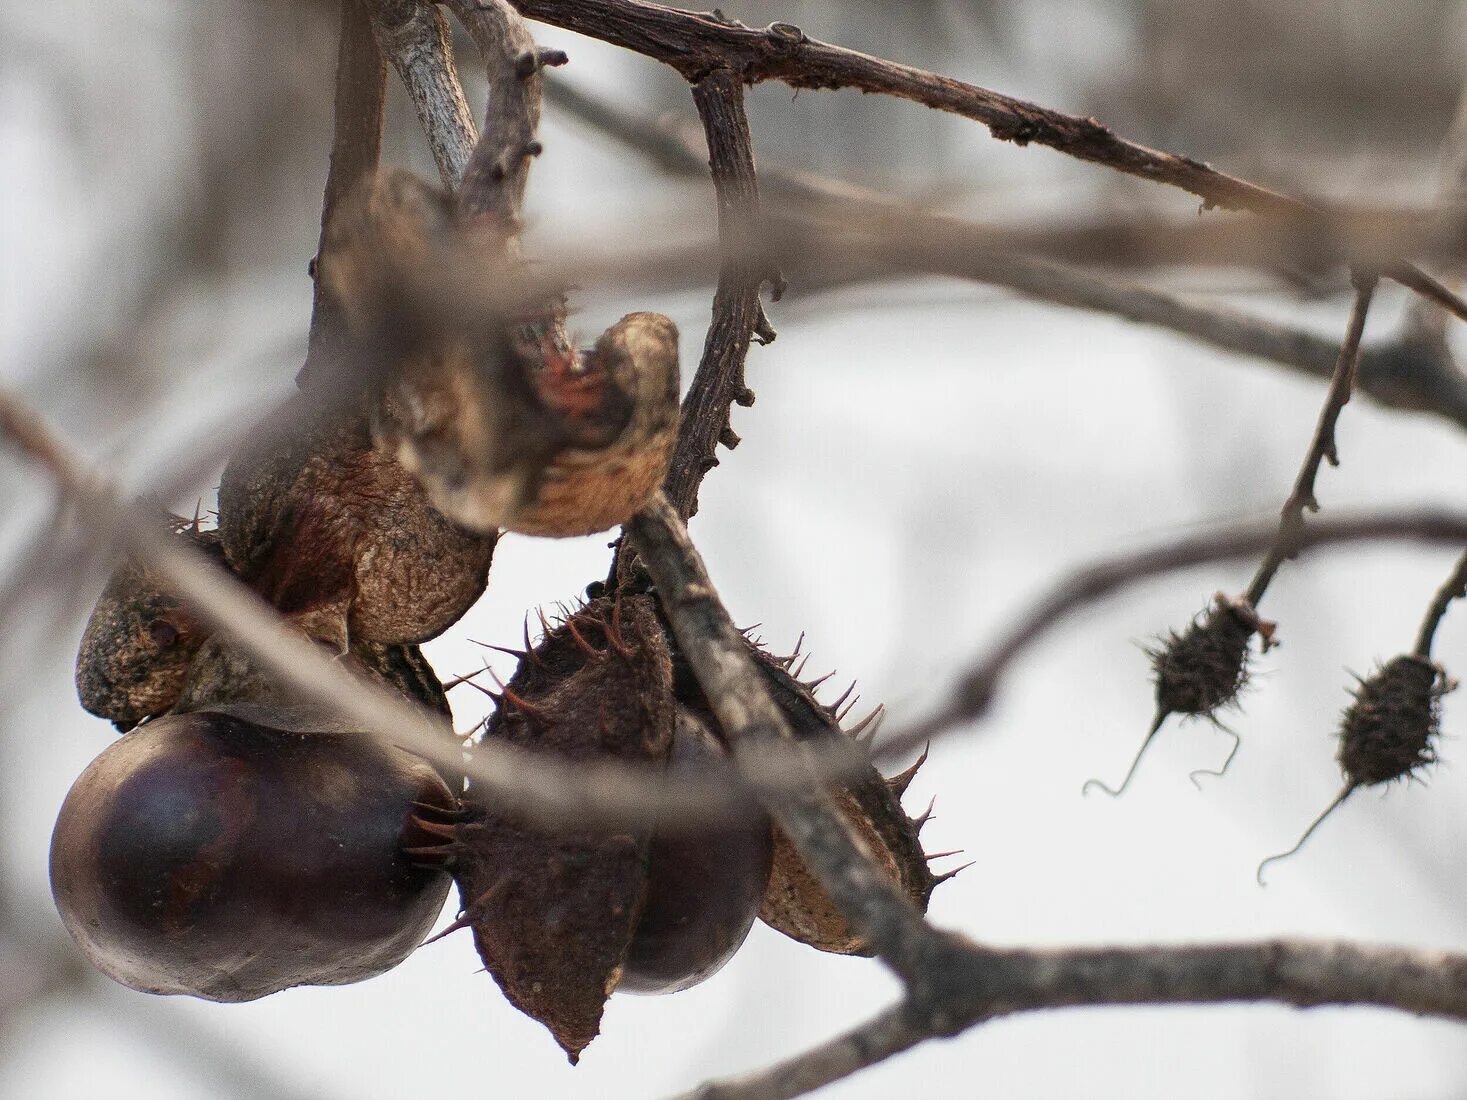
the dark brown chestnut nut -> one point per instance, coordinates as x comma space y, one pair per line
211, 855
704, 888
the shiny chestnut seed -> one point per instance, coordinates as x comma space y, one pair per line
703, 888
208, 855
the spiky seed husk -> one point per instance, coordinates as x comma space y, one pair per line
1387, 733
1206, 665
1390, 729
553, 914
795, 903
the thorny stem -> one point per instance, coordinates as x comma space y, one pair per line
696, 43
1322, 446
737, 315
1454, 588
494, 181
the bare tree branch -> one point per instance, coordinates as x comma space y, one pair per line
893, 237
715, 649
696, 43
1322, 446
971, 985
414, 36
1453, 588
356, 147
874, 1041
493, 186
737, 315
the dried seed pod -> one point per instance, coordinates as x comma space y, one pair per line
1200, 671
139, 642
1387, 733
319, 519
485, 401
795, 903
213, 855
553, 914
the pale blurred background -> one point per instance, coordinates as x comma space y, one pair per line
923, 456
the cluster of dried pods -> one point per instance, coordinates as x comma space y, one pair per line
236, 841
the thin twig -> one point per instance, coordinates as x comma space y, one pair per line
1454, 588
697, 43
356, 148
493, 185
737, 315
895, 237
1322, 446
874, 1041
414, 36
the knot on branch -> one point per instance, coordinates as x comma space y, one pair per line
950, 983
501, 168
1021, 131
786, 35
532, 61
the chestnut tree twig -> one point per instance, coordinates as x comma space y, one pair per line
719, 657
414, 36
737, 314
696, 43
972, 984
356, 148
493, 184
895, 237
1453, 588
1322, 446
